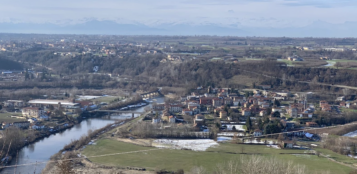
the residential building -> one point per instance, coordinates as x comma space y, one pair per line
175, 108
311, 124
287, 144
246, 112
222, 114
216, 102
14, 103
187, 112
32, 112
323, 102
257, 133
172, 119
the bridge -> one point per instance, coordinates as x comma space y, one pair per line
122, 112
151, 94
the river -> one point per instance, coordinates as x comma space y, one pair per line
42, 150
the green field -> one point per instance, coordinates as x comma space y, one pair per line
348, 110
288, 62
185, 159
107, 99
5, 117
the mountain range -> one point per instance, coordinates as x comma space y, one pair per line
315, 29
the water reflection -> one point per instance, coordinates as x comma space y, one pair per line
48, 146
31, 147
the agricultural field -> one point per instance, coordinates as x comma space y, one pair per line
169, 159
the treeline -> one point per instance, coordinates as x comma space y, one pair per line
341, 145
6, 64
148, 130
129, 101
285, 75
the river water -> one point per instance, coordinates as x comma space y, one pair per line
41, 151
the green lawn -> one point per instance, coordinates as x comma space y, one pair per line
5, 117
185, 159
288, 62
348, 110
107, 99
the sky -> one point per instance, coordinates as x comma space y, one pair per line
232, 13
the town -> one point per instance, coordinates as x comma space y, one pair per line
168, 97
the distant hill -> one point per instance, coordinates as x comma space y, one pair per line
6, 64
315, 29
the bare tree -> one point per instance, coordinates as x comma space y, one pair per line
65, 167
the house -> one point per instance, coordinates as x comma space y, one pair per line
32, 120
21, 124
293, 111
191, 105
311, 124
323, 102
326, 108
216, 102
257, 133
288, 124
222, 114
175, 108
287, 144
265, 105
199, 120
342, 98
246, 112
32, 112
172, 119
276, 109
228, 101
14, 103
262, 113
159, 106
187, 112
206, 100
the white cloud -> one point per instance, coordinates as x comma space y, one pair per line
254, 13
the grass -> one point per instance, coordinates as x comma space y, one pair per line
348, 110
336, 156
185, 159
288, 62
106, 99
5, 117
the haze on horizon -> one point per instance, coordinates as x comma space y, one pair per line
228, 17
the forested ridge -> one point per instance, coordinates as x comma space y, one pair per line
147, 70
6, 64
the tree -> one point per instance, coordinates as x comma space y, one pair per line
51, 108
248, 124
276, 103
276, 114
260, 124
268, 111
65, 167
353, 150
338, 65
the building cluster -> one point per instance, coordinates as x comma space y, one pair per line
39, 111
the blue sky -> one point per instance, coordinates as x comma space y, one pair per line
251, 13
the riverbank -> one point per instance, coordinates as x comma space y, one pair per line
76, 145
